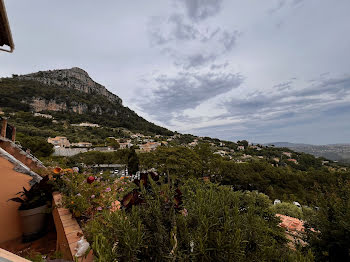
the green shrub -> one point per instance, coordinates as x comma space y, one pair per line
213, 224
288, 209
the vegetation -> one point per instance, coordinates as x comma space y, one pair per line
38, 195
98, 109
329, 229
180, 217
288, 209
209, 223
231, 221
285, 183
133, 162
37, 145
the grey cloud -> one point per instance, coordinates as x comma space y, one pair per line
229, 39
181, 30
186, 91
197, 60
284, 3
328, 86
219, 66
198, 10
165, 30
283, 86
287, 100
157, 35
279, 6
189, 44
210, 34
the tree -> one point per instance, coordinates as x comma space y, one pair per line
206, 155
177, 161
113, 143
329, 231
133, 162
243, 143
288, 209
37, 145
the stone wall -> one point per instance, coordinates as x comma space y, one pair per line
61, 151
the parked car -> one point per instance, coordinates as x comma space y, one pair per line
297, 204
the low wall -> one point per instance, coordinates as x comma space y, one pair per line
12, 183
68, 230
61, 151
26, 158
8, 256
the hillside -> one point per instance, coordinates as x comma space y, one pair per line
335, 152
70, 95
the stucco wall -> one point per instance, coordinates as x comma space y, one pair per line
11, 182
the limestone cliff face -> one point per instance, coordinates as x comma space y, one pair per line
40, 104
74, 78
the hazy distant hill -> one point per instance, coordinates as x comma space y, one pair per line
337, 152
70, 95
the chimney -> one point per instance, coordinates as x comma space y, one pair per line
3, 127
13, 138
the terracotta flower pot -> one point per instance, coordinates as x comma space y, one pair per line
33, 222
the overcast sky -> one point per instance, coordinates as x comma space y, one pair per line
265, 71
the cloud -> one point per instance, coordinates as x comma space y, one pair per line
284, 3
190, 45
283, 86
198, 10
260, 119
175, 28
229, 39
284, 101
181, 30
219, 66
174, 94
286, 112
196, 60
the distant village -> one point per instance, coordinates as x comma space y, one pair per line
236, 152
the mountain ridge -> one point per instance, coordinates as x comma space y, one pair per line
73, 78
336, 152
72, 96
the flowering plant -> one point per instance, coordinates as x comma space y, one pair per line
86, 195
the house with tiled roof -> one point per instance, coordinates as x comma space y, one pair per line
294, 229
150, 146
288, 154
292, 160
60, 141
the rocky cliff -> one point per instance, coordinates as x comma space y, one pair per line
70, 96
74, 78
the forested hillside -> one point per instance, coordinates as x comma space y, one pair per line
70, 105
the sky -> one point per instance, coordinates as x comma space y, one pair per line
265, 71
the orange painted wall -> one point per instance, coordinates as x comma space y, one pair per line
11, 182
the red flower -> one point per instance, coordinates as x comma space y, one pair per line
90, 179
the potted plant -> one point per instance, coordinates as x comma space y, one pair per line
33, 208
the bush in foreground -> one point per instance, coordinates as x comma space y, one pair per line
212, 224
